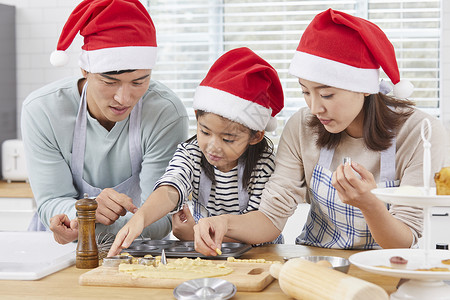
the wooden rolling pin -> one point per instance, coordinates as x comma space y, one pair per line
303, 279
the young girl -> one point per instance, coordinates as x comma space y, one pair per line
337, 64
226, 165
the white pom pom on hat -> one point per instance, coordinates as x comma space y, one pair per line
403, 89
59, 58
272, 124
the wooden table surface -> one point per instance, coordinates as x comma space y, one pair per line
15, 189
64, 284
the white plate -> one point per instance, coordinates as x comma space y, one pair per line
395, 195
33, 255
371, 260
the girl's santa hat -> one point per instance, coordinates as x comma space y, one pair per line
118, 35
344, 51
242, 87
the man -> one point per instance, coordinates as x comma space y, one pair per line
109, 134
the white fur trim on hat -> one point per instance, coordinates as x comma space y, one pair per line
59, 58
118, 58
334, 74
232, 107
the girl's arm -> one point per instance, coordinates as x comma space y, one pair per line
162, 201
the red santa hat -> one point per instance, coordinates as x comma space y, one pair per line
344, 51
242, 87
118, 35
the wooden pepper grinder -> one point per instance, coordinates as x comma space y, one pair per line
87, 251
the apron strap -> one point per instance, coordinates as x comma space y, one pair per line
130, 187
205, 188
387, 161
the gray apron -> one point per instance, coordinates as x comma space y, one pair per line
130, 186
201, 205
333, 224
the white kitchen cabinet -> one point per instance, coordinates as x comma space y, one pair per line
16, 213
17, 206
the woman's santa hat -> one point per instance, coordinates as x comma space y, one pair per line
118, 35
344, 51
242, 87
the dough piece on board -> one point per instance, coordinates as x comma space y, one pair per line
182, 268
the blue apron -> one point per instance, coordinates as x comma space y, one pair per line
333, 224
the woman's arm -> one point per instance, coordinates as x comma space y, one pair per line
252, 228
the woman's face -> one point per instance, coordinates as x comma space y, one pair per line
111, 98
337, 109
223, 141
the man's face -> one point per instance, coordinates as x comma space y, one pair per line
111, 98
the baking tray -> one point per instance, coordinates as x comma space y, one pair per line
175, 248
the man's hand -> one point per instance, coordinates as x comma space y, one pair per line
112, 205
64, 230
183, 224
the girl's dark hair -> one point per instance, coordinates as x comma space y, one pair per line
250, 156
381, 122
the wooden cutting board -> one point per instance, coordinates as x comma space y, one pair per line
248, 277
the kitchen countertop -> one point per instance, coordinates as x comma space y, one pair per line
64, 284
15, 189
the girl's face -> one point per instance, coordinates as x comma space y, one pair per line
223, 141
336, 109
111, 98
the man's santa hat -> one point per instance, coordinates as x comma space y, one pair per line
344, 51
242, 87
118, 35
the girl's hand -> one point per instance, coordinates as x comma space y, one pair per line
351, 189
127, 234
183, 224
209, 233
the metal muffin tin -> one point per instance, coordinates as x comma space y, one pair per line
174, 248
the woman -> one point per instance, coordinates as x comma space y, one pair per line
348, 115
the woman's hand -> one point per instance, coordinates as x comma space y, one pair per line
209, 233
64, 230
127, 234
353, 190
183, 224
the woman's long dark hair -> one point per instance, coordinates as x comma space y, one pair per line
250, 156
381, 122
